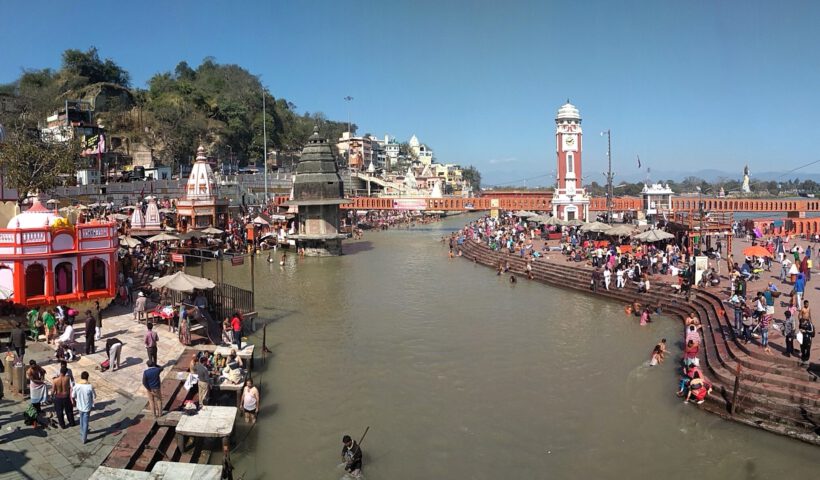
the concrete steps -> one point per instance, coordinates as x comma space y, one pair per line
774, 394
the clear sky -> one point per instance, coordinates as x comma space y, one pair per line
700, 84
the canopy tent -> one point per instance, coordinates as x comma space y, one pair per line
650, 236
129, 242
211, 231
163, 237
182, 282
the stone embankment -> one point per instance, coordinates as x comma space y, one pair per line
773, 393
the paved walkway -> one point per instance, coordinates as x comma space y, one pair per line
53, 453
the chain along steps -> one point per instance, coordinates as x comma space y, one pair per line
774, 392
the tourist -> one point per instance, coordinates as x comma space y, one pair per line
785, 265
765, 321
807, 333
18, 341
352, 456
151, 338
790, 329
250, 401
35, 324
38, 390
799, 288
50, 324
152, 383
98, 315
113, 347
204, 380
90, 332
84, 395
139, 306
227, 331
184, 326
236, 327
62, 398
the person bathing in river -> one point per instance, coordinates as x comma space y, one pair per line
662, 349
656, 357
352, 456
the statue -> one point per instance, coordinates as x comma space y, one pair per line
745, 187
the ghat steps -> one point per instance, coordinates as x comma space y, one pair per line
775, 393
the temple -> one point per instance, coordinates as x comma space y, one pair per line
201, 206
45, 260
317, 192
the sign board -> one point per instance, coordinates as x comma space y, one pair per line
177, 258
236, 261
409, 204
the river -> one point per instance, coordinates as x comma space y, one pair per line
461, 375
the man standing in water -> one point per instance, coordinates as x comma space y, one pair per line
352, 456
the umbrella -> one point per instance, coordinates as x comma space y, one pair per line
524, 214
165, 210
182, 282
260, 220
574, 222
163, 237
650, 236
128, 207
93, 205
129, 242
553, 221
80, 206
620, 231
211, 231
595, 227
52, 202
756, 251
119, 216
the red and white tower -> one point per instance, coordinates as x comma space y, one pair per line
569, 200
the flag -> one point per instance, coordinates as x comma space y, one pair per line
639, 161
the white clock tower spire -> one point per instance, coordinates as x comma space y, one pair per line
569, 199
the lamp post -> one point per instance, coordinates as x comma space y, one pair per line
348, 99
608, 174
265, 144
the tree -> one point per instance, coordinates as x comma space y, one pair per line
472, 175
31, 165
88, 66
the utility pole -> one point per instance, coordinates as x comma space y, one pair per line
265, 145
609, 175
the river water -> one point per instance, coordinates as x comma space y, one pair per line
461, 375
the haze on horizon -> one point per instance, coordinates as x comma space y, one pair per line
687, 86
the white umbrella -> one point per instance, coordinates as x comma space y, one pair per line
163, 237
653, 236
211, 231
524, 214
620, 230
595, 227
119, 216
182, 282
575, 222
129, 242
553, 221
52, 202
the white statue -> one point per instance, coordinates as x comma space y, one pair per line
745, 187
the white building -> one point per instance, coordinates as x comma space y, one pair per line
657, 199
423, 153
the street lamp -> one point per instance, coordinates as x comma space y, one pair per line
348, 99
609, 175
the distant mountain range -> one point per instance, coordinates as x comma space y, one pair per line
712, 175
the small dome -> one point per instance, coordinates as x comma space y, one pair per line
37, 216
568, 111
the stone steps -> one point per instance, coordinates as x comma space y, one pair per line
774, 394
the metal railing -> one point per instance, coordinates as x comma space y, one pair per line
223, 300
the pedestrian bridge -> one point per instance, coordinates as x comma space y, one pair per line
543, 202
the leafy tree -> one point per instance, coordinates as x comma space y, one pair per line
31, 165
88, 66
472, 175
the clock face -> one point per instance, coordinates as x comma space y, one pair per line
570, 143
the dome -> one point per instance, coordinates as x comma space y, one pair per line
37, 216
568, 111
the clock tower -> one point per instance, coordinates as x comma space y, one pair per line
569, 200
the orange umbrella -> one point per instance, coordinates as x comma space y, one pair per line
756, 251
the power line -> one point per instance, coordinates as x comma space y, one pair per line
521, 180
798, 168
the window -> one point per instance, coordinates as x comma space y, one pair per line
570, 163
94, 275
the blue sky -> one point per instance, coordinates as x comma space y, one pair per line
686, 85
